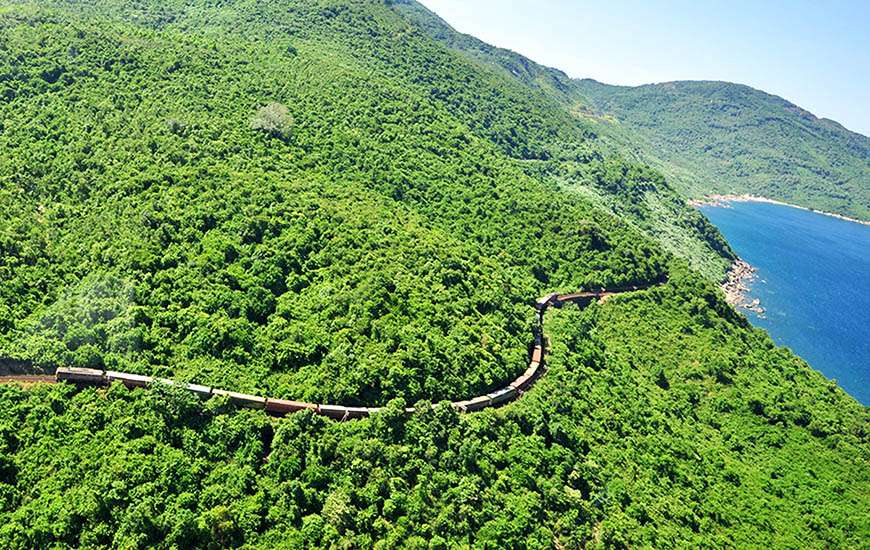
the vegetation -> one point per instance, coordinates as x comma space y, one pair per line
663, 421
718, 137
381, 250
705, 137
318, 200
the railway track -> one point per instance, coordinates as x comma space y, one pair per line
28, 378
281, 407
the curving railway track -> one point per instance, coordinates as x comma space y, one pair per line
28, 378
281, 407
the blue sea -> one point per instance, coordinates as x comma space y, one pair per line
813, 280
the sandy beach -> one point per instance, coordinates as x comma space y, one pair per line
723, 201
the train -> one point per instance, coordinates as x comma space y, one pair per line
282, 407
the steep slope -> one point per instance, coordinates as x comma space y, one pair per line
705, 137
361, 258
651, 207
165, 232
318, 201
718, 137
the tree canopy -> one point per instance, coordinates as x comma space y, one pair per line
385, 248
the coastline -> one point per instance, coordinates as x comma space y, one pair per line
737, 285
722, 201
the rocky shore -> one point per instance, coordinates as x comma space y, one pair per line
737, 285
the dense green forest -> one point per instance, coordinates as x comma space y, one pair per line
664, 421
320, 200
705, 137
372, 249
719, 137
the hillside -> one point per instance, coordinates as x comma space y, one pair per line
718, 137
705, 137
369, 249
318, 200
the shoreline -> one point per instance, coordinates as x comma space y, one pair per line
737, 286
723, 201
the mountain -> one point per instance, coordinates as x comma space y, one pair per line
718, 137
150, 222
705, 137
319, 200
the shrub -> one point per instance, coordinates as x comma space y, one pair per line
274, 119
176, 126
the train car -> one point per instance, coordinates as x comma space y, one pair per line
243, 399
521, 383
128, 379
78, 375
478, 403
503, 395
460, 405
198, 390
333, 411
357, 412
285, 406
546, 301
537, 354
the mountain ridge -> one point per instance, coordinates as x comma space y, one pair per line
790, 169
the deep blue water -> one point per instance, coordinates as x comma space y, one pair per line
814, 282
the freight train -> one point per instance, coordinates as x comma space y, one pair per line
281, 407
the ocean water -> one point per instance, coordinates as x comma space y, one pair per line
814, 282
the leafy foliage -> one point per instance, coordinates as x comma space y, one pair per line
385, 252
718, 137
274, 119
742, 445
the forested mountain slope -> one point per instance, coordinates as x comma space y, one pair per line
705, 137
719, 137
150, 224
371, 246
317, 200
